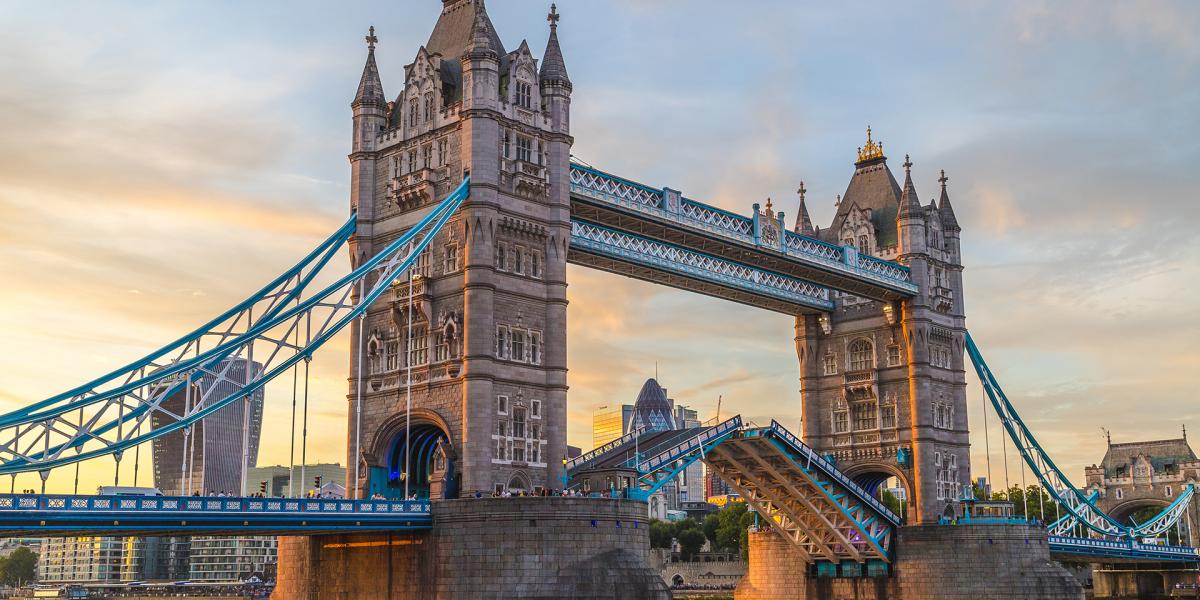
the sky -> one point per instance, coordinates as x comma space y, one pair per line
159, 161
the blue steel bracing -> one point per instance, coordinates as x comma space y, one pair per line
813, 459
657, 470
390, 263
318, 257
1078, 506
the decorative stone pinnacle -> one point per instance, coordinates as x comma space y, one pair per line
801, 191
871, 150
371, 39
943, 179
907, 165
768, 204
553, 17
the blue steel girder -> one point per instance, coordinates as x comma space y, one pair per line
1069, 548
657, 470
1082, 509
660, 262
69, 515
822, 517
663, 214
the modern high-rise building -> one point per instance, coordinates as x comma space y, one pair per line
610, 423
215, 451
232, 558
81, 560
214, 446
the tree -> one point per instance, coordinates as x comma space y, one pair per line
19, 567
661, 534
711, 523
1039, 502
690, 541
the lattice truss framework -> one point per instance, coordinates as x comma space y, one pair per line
275, 329
634, 248
644, 199
818, 516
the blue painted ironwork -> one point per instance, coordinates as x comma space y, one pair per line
666, 205
813, 460
655, 471
590, 457
610, 243
1079, 507
110, 422
825, 514
51, 514
1121, 549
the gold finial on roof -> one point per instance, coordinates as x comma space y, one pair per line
768, 204
871, 150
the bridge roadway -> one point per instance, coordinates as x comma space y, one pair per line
69, 515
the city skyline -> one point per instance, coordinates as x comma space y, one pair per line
1074, 202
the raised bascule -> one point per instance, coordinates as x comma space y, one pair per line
466, 208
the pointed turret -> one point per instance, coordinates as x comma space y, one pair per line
949, 221
804, 224
370, 87
483, 42
554, 68
910, 203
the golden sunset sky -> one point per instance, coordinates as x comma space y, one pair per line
160, 161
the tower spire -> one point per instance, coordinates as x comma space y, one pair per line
481, 44
804, 224
910, 203
370, 87
945, 210
554, 68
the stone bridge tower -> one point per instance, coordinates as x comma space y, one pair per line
883, 384
1146, 477
481, 330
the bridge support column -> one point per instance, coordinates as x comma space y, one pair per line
775, 570
489, 548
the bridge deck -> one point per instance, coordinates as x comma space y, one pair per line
62, 516
640, 231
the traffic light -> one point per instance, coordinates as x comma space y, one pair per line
262, 487
317, 482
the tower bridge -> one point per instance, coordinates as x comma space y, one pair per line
466, 208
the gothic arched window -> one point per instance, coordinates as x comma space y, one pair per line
412, 112
862, 355
429, 106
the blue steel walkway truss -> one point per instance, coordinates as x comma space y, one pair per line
60, 516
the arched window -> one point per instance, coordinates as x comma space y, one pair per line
412, 113
524, 94
1168, 491
862, 355
429, 106
863, 246
1120, 494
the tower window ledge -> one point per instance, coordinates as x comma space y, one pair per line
865, 376
943, 298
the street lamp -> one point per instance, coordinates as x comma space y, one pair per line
564, 474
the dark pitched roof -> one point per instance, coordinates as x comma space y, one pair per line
456, 27
1160, 453
872, 186
804, 224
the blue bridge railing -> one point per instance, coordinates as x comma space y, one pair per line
1121, 549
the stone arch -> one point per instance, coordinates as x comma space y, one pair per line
677, 580
519, 481
1123, 510
417, 458
872, 476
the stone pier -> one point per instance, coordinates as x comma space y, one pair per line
998, 562
538, 548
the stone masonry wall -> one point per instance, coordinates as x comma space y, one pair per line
997, 562
537, 548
